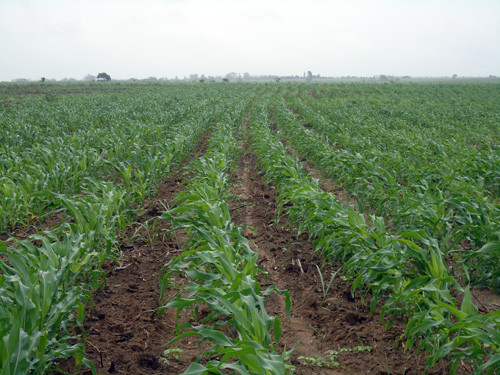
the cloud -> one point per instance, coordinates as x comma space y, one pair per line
168, 38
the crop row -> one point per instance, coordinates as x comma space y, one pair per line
89, 162
412, 280
96, 174
222, 270
443, 125
442, 205
60, 147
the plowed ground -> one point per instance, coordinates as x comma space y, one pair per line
124, 334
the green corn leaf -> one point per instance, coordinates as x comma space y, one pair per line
240, 351
216, 336
491, 248
491, 366
180, 303
459, 314
467, 306
19, 362
272, 362
198, 369
236, 366
277, 329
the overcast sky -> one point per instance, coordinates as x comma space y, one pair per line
73, 38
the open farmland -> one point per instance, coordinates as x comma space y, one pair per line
246, 228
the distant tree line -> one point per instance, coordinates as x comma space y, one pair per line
235, 77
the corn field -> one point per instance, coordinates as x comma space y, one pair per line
384, 198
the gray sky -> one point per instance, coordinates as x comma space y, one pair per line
73, 38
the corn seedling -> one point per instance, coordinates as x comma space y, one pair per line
326, 288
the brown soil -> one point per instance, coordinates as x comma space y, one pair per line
325, 183
485, 299
317, 324
126, 336
22, 232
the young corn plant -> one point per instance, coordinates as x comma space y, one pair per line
440, 200
66, 157
377, 260
41, 301
222, 271
151, 232
326, 287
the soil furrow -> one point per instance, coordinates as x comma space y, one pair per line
124, 335
320, 321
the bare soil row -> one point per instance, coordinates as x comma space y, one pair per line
124, 335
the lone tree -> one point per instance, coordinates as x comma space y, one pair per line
103, 77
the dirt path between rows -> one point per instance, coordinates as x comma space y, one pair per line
318, 323
485, 299
125, 335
